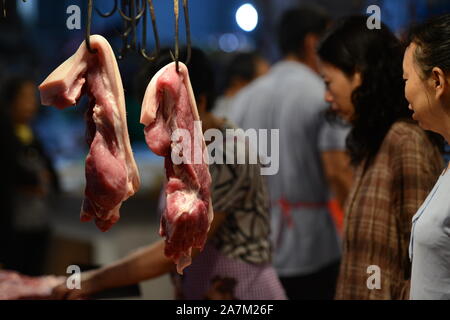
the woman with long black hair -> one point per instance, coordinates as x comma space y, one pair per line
396, 161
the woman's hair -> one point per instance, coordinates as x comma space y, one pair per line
433, 44
379, 101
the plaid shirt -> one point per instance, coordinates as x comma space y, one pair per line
383, 200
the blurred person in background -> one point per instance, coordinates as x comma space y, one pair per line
236, 260
313, 162
241, 70
396, 162
426, 71
31, 176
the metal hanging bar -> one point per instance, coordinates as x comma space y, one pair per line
155, 34
188, 31
177, 40
137, 11
132, 16
88, 27
176, 57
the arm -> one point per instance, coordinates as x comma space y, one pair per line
143, 264
338, 173
335, 160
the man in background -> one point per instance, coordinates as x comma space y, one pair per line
313, 163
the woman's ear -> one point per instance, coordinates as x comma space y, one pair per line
439, 82
310, 43
356, 79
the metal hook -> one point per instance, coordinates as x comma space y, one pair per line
188, 31
176, 57
88, 28
126, 31
108, 14
133, 18
155, 33
130, 24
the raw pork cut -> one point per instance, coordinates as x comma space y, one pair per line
14, 286
111, 171
168, 105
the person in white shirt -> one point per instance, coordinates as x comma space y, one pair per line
242, 69
426, 71
312, 155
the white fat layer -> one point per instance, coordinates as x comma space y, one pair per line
186, 202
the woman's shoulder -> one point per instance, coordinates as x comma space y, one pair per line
406, 138
402, 131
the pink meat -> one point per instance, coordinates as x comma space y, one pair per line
14, 286
111, 172
169, 105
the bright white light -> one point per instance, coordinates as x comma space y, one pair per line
247, 17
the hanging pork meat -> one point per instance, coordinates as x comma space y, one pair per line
111, 172
173, 130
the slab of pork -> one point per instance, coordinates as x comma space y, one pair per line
168, 105
15, 286
111, 172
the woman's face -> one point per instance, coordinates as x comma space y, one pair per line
339, 89
419, 93
25, 104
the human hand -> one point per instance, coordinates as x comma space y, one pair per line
87, 288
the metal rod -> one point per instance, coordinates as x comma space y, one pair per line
132, 16
176, 56
132, 21
177, 40
188, 31
133, 24
155, 34
88, 28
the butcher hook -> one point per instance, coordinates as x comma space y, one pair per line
155, 34
131, 23
88, 27
176, 57
132, 13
